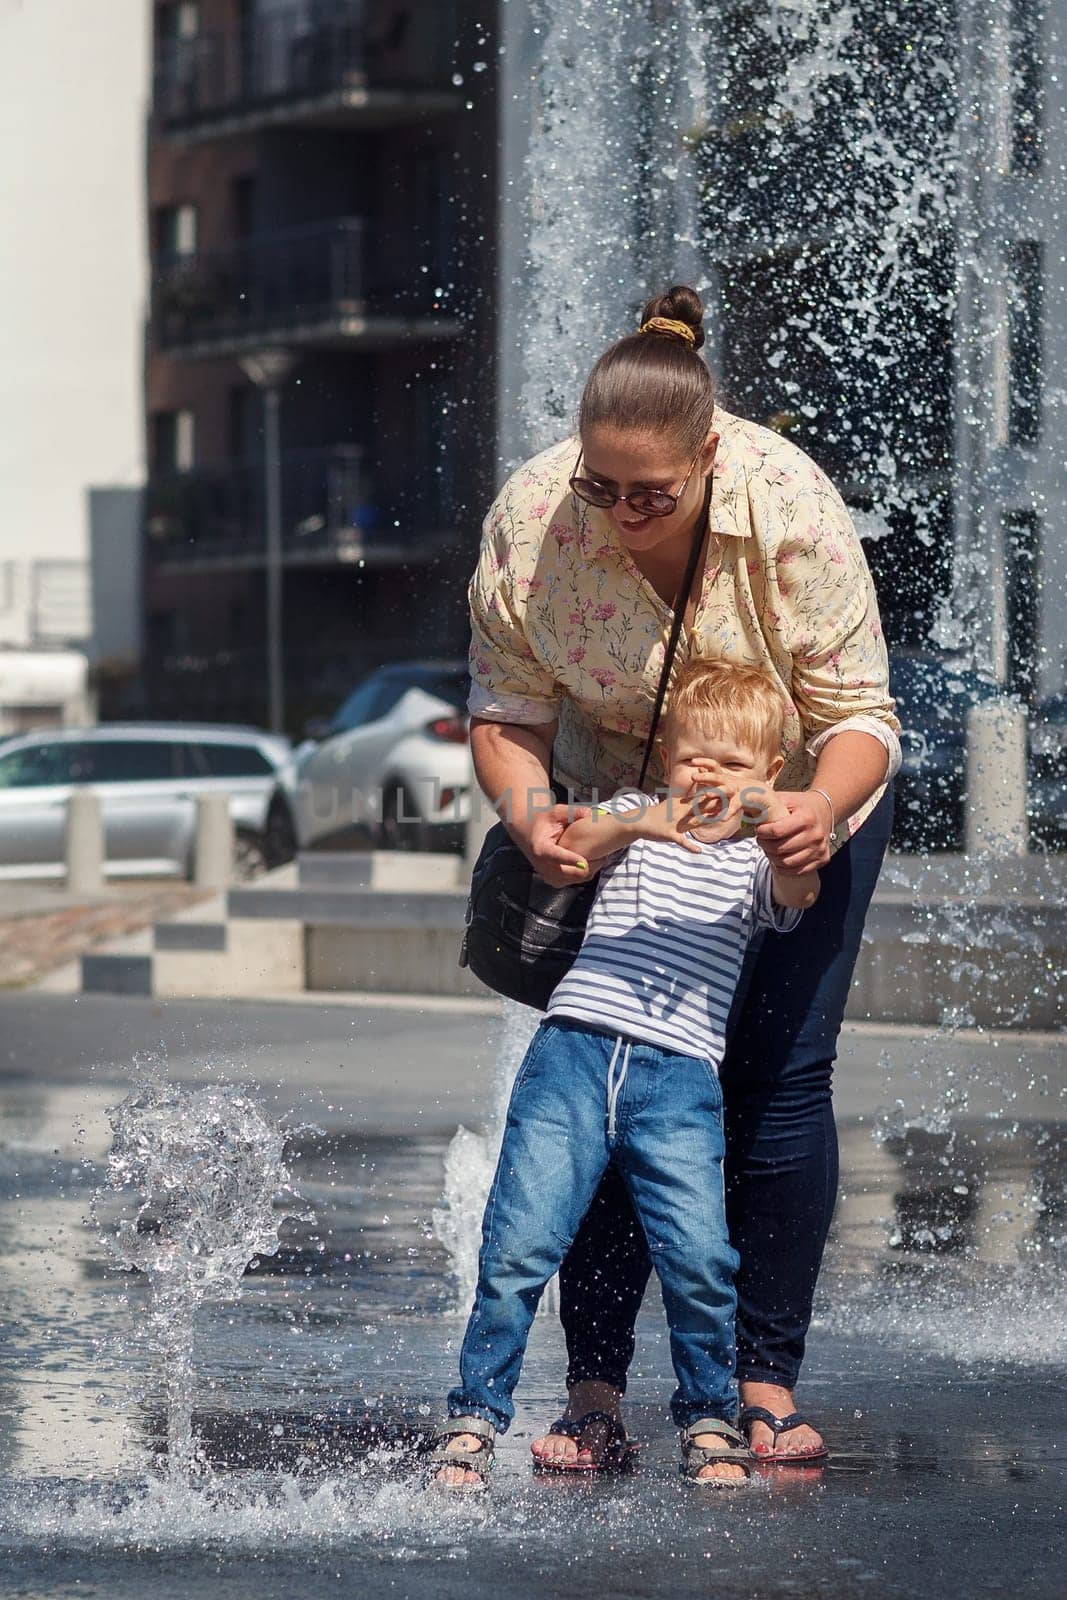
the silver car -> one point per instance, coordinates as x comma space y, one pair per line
393, 764
148, 777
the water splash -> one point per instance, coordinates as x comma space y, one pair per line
620, 97
808, 165
196, 1187
471, 1157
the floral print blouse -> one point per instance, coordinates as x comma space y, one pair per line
564, 624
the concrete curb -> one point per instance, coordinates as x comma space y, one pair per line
932, 950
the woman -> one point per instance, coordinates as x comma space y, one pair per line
582, 556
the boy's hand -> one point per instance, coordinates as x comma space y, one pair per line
669, 820
760, 803
722, 797
756, 803
712, 808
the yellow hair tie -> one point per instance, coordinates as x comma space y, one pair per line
669, 325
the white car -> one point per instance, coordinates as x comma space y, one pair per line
148, 777
393, 764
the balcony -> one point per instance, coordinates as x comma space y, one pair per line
323, 63
214, 517
310, 286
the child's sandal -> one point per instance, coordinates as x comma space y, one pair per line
478, 1461
696, 1456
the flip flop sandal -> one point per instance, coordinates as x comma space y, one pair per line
695, 1456
618, 1456
778, 1426
480, 1461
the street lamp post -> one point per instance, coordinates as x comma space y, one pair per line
269, 370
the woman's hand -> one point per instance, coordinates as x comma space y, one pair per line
539, 842
799, 842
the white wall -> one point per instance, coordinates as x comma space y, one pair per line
73, 95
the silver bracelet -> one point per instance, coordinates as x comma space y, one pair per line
829, 802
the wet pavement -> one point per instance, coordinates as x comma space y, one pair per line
936, 1363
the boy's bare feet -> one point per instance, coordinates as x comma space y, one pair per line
552, 1449
803, 1441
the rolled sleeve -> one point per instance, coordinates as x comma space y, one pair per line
840, 670
767, 912
495, 706
508, 682
878, 730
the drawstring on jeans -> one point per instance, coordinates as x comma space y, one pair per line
613, 1086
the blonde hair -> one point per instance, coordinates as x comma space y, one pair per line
736, 700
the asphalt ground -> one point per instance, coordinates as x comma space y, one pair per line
936, 1361
410, 1064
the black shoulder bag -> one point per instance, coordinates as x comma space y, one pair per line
522, 935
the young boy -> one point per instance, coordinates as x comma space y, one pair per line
624, 1069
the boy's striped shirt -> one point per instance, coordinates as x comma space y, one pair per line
665, 939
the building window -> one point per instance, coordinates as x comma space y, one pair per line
173, 442
1024, 342
1020, 534
177, 57
167, 634
176, 20
1027, 89
174, 233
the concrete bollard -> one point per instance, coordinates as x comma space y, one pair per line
481, 819
995, 801
84, 843
213, 846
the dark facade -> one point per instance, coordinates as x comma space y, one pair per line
320, 181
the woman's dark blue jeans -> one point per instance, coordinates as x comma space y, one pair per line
781, 1145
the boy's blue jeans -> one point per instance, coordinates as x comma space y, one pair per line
584, 1100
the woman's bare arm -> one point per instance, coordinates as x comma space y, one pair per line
512, 763
851, 766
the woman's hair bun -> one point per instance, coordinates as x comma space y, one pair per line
680, 304
648, 383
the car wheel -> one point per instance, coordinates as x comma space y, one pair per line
250, 859
280, 840
396, 832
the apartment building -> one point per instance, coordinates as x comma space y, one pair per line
343, 184
321, 192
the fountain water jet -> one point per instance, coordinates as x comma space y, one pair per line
196, 1187
613, 207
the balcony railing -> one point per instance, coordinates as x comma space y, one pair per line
266, 284
309, 50
330, 511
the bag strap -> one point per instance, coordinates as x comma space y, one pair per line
680, 603
679, 617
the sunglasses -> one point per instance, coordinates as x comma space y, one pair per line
646, 502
